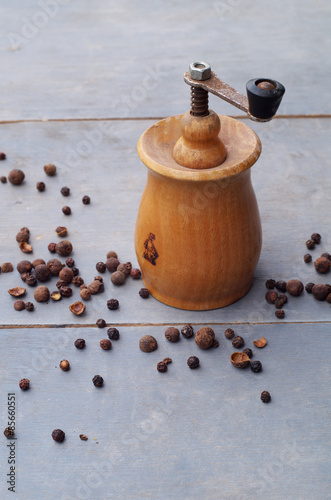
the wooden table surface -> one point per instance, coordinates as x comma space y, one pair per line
80, 84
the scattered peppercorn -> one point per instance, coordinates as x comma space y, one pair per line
51, 247
94, 287
187, 331
97, 381
66, 274
37, 262
70, 262
307, 258
63, 248
66, 210
61, 231
283, 297
24, 266
9, 432
113, 333
162, 367
271, 296
101, 267
77, 308
16, 177
281, 286
167, 360
229, 333
320, 291
7, 267
135, 273
58, 435
100, 323
265, 396
310, 244
3, 179
78, 281
105, 344
270, 284
41, 294
65, 365
172, 334
98, 278
29, 306
322, 265
111, 254
2, 156
326, 255
279, 303
50, 169
83, 437
144, 293
24, 384
112, 304
65, 290
112, 264
316, 238
80, 343
125, 268
309, 287
42, 273
41, 186
85, 294
54, 266
19, 305
248, 351
205, 337
65, 191
22, 235
238, 342
148, 343
280, 314
256, 366
117, 278
86, 200
193, 362
294, 287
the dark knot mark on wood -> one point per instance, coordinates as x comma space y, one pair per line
150, 252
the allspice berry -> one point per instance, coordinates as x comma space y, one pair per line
229, 333
54, 266
205, 337
58, 435
148, 343
85, 294
41, 294
271, 296
112, 264
118, 278
19, 305
172, 334
65, 365
294, 287
63, 248
24, 266
66, 274
42, 273
135, 273
111, 254
105, 344
320, 291
322, 265
125, 268
24, 384
50, 169
22, 236
61, 231
37, 262
16, 177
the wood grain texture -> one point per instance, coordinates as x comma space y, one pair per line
200, 434
291, 182
127, 59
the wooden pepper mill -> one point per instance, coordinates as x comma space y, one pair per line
198, 230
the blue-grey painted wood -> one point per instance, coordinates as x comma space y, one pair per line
200, 434
292, 182
127, 59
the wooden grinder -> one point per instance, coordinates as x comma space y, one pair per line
198, 230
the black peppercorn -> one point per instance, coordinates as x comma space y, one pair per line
256, 366
112, 304
193, 362
31, 280
270, 284
281, 286
105, 344
75, 270
238, 342
271, 296
29, 306
162, 367
51, 247
24, 384
9, 432
58, 435
80, 343
86, 200
97, 381
61, 231
101, 267
41, 186
100, 323
172, 334
65, 291
3, 179
70, 262
328, 298
66, 210
280, 314
2, 156
279, 303
309, 287
65, 191
78, 281
229, 333
98, 278
248, 351
307, 258
187, 331
113, 333
144, 293
265, 396
310, 244
326, 255
316, 238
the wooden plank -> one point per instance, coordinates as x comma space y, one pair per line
292, 187
182, 434
125, 59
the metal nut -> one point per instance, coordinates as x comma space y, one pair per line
200, 70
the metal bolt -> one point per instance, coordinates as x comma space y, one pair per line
200, 70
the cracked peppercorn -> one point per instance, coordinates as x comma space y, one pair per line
100, 267
66, 210
105, 344
280, 314
238, 342
316, 238
24, 384
172, 334
309, 287
78, 281
113, 333
193, 362
97, 381
100, 323
307, 258
256, 366
65, 365
265, 396
279, 303
162, 367
281, 286
80, 343
70, 262
187, 331
248, 351
310, 244
7, 267
112, 304
270, 284
31, 280
65, 291
50, 169
229, 333
65, 191
58, 435
41, 186
144, 293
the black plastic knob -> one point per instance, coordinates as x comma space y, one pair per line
264, 97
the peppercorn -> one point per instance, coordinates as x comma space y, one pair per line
7, 267
16, 177
58, 435
61, 231
271, 296
65, 191
85, 294
54, 266
100, 323
42, 273
309, 287
100, 267
51, 247
80, 343
328, 298
294, 287
229, 333
281, 286
86, 200
117, 278
24, 384
50, 169
66, 210
65, 365
25, 247
307, 258
112, 264
29, 306
111, 254
61, 284
98, 278
2, 156
205, 337
148, 343
9, 432
19, 305
322, 265
320, 291
265, 396
238, 342
256, 366
3, 179
172, 334
41, 294
125, 268
66, 274
112, 304
283, 297
70, 262
56, 296
280, 314
24, 266
113, 333
105, 344
270, 284
135, 273
18, 291
326, 255
41, 186
78, 281
279, 303
83, 437
187, 331
316, 238
22, 236
193, 362
63, 248
26, 229
94, 287
144, 293
167, 360
162, 367
37, 262
77, 308
97, 381
310, 244
24, 276
248, 351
